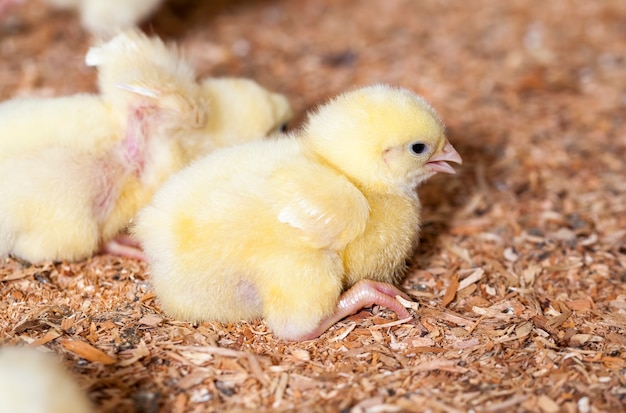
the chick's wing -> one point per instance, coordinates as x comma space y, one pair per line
326, 209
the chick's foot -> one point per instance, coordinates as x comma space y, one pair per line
365, 293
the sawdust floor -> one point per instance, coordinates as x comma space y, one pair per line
520, 274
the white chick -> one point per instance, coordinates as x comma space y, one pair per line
35, 382
107, 17
279, 228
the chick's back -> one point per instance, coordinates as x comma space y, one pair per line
80, 121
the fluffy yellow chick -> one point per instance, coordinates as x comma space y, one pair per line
240, 109
105, 17
34, 382
76, 169
279, 228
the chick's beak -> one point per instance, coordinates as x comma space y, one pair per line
438, 163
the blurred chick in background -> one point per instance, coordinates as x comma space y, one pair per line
280, 228
75, 170
107, 17
34, 382
240, 109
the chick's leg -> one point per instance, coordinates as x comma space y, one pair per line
363, 294
123, 245
295, 302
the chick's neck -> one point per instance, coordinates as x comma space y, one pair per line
365, 186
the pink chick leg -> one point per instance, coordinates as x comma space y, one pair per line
124, 246
363, 294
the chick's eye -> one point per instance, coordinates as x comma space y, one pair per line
418, 148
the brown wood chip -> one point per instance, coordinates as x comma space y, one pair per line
453, 287
87, 351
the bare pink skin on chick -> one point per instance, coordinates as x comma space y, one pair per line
66, 199
301, 231
87, 164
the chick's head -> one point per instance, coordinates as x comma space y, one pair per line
385, 139
137, 71
132, 57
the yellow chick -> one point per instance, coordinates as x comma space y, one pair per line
76, 169
105, 17
34, 382
279, 228
240, 109
146, 66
